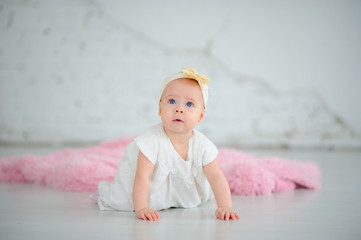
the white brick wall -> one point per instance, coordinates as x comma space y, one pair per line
85, 71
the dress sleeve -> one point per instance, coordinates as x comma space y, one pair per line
147, 143
210, 152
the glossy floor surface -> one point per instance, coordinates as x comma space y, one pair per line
30, 211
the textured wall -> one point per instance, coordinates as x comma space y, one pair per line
283, 73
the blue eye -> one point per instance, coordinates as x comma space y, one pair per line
189, 104
172, 101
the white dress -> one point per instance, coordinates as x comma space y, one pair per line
175, 182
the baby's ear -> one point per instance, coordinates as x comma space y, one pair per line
159, 107
202, 115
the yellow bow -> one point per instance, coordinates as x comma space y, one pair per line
192, 73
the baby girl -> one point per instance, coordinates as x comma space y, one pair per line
171, 164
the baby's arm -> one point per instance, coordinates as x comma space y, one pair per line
221, 191
141, 189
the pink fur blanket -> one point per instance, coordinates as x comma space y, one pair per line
83, 169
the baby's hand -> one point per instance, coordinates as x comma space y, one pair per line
226, 213
147, 214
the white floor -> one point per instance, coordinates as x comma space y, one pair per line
29, 211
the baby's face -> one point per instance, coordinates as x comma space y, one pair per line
181, 106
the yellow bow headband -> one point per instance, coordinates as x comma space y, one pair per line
191, 73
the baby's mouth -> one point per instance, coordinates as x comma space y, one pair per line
177, 120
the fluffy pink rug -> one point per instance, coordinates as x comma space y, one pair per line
83, 169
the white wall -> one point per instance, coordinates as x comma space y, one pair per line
283, 73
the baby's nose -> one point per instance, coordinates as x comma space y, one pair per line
178, 110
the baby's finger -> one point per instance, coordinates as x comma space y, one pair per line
149, 216
227, 216
217, 213
236, 215
157, 214
154, 216
223, 215
233, 216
